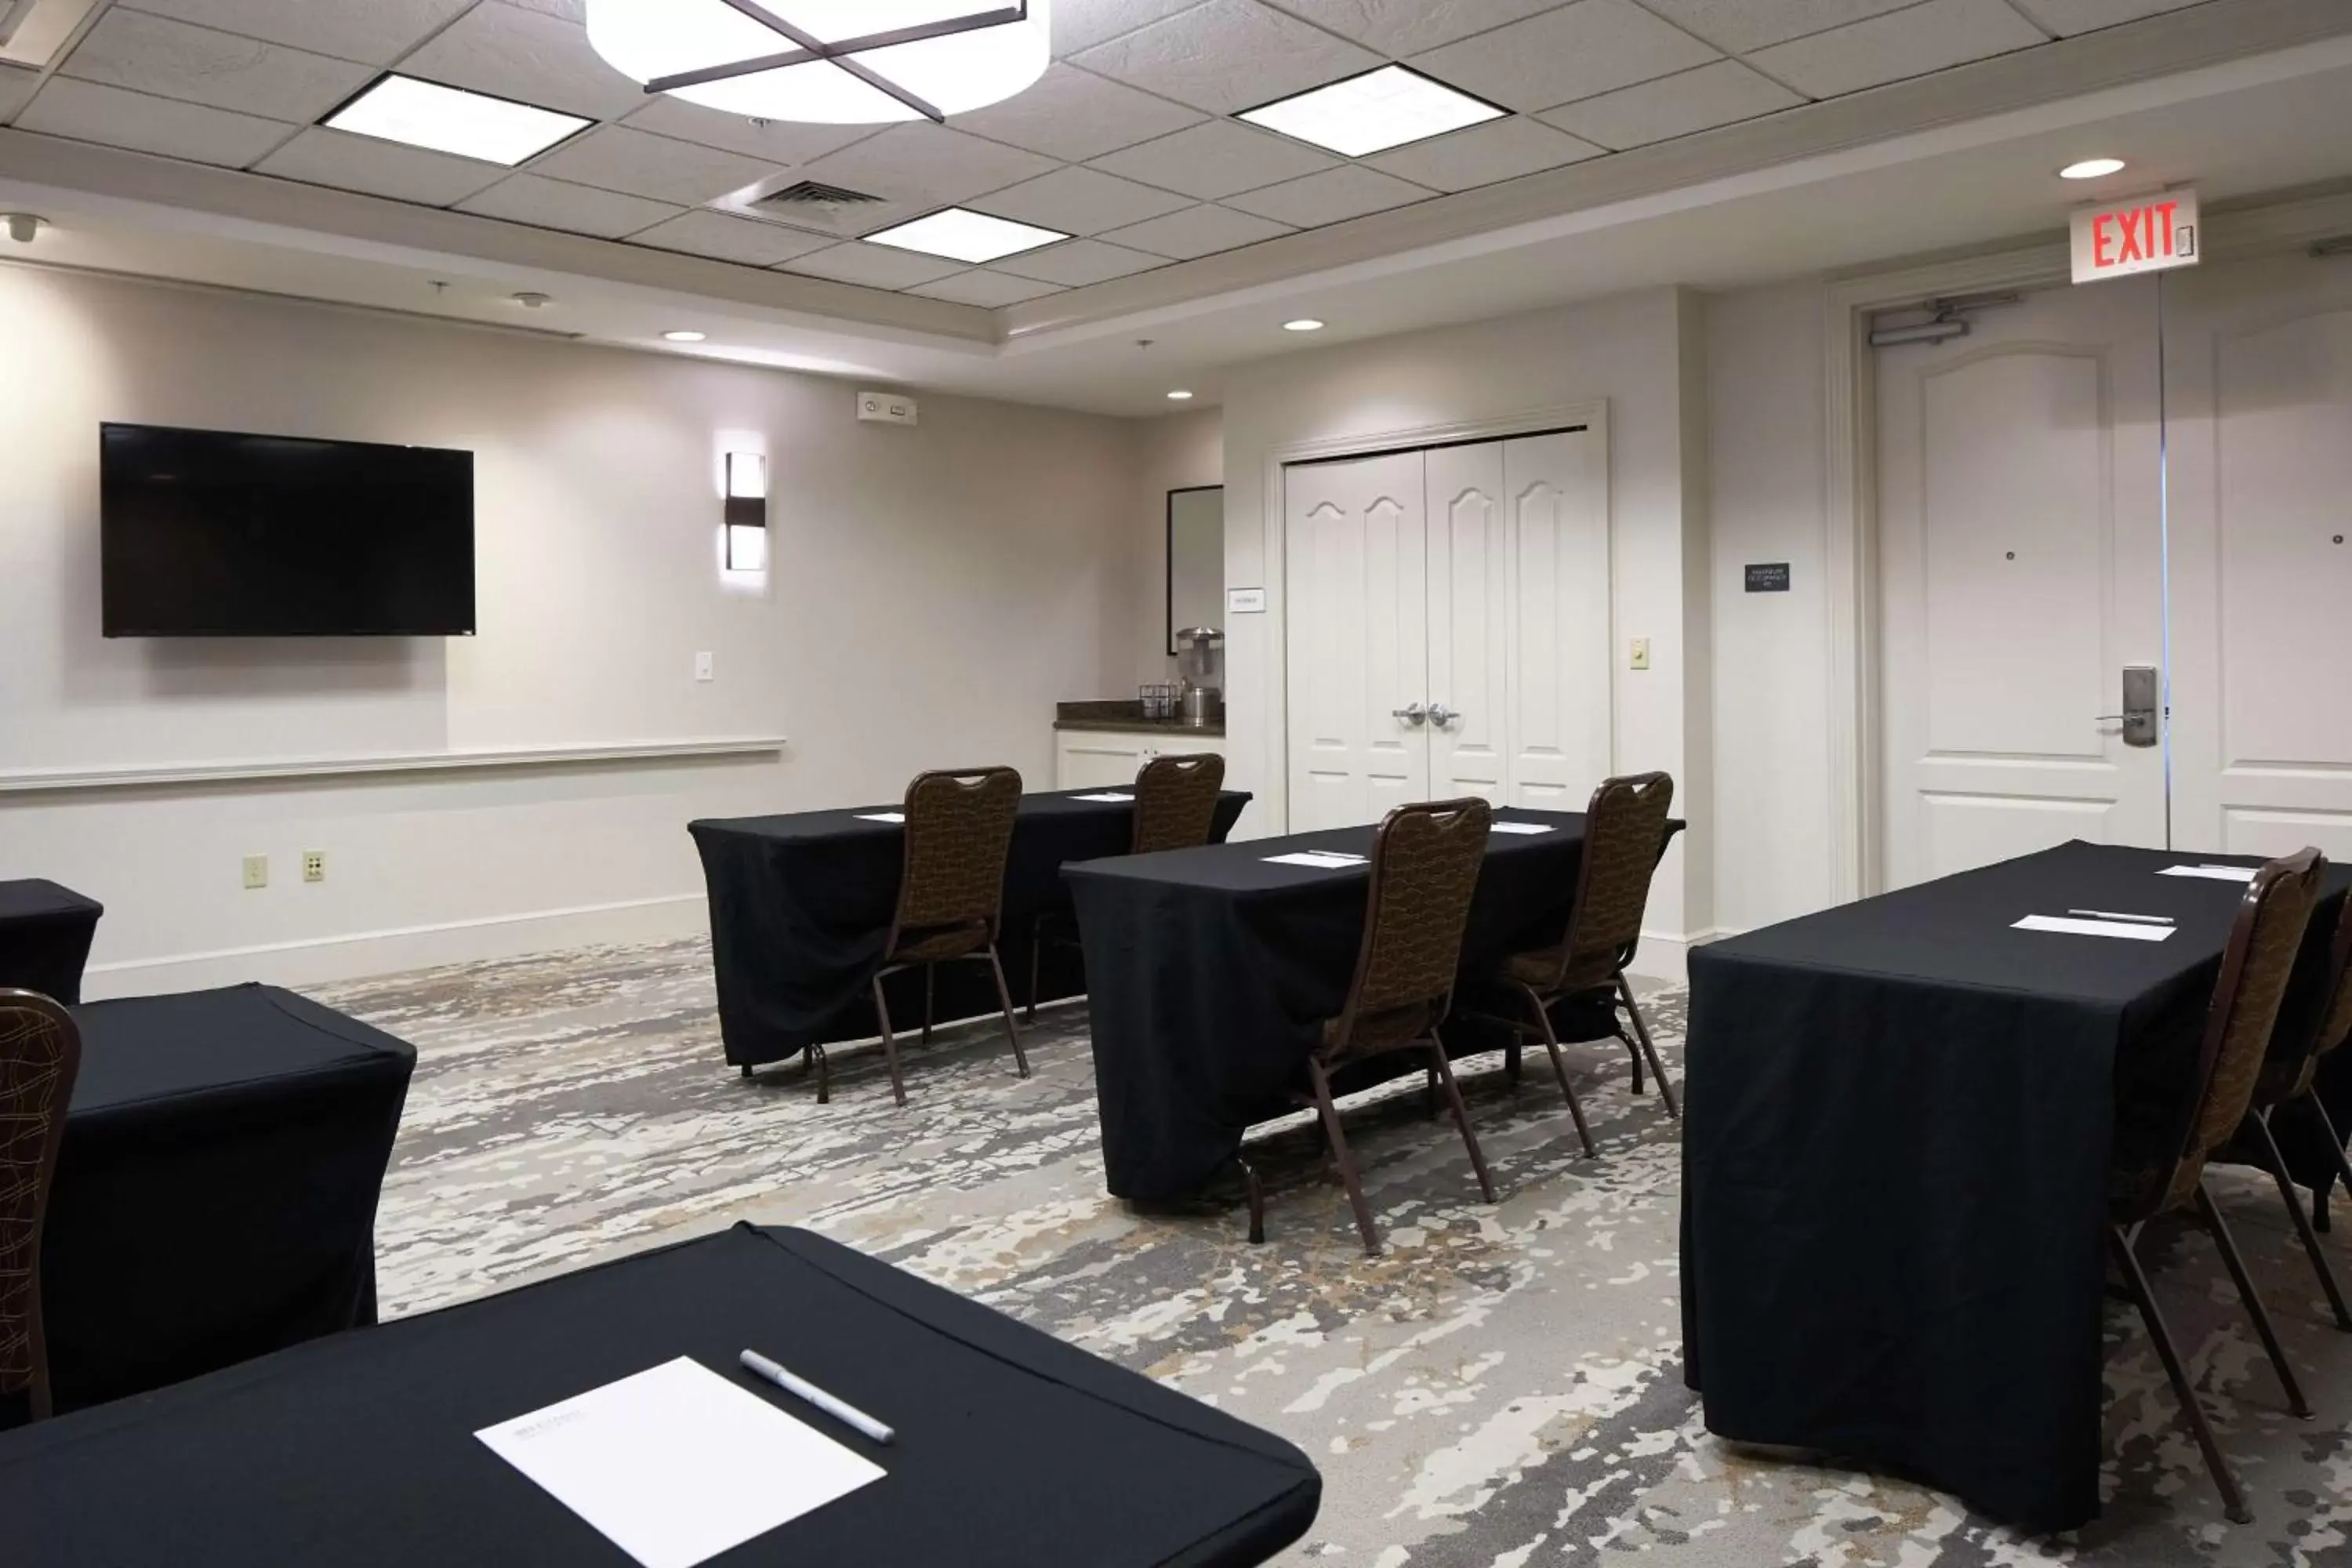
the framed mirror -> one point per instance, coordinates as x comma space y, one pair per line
1196, 559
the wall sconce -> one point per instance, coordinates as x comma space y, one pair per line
747, 512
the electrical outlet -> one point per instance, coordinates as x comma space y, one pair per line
314, 865
887, 408
702, 667
256, 870
1641, 653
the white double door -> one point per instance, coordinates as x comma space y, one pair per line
1447, 621
2084, 485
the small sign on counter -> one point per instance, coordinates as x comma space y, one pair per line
1767, 577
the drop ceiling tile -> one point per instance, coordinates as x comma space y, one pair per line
1484, 154
1332, 196
1929, 38
377, 32
172, 60
874, 265
1592, 45
2067, 18
1078, 262
725, 239
1197, 231
320, 157
615, 158
1080, 201
1217, 159
1076, 115
783, 143
1740, 25
981, 286
16, 89
1675, 106
926, 165
577, 209
570, 10
1082, 24
1227, 55
1408, 26
516, 53
91, 111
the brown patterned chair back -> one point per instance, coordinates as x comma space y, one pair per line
2256, 965
1426, 862
40, 1053
2335, 1012
959, 833
1176, 802
1625, 834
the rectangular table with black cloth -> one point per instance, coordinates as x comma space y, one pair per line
800, 905
44, 936
1212, 969
1899, 1116
1014, 1450
217, 1190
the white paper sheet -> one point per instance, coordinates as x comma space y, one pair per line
2130, 931
1321, 860
677, 1464
1107, 796
881, 816
1521, 827
2216, 873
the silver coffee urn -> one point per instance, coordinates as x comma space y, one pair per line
1199, 663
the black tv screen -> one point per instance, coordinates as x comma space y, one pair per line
212, 533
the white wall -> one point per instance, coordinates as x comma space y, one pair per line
1177, 451
1636, 350
937, 590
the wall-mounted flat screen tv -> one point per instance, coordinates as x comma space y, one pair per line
212, 533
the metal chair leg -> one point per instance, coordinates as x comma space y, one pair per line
2334, 1144
2233, 1501
889, 1043
1560, 1070
1642, 1032
2254, 1303
1633, 1051
1256, 1189
930, 997
1346, 1157
747, 1069
816, 1059
1036, 955
2259, 1123
1443, 1071
1429, 1094
1005, 997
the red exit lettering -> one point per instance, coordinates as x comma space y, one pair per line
2140, 234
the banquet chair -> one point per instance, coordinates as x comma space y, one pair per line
40, 1054
1424, 866
1582, 975
2162, 1167
951, 894
1175, 808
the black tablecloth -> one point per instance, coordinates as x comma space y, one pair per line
44, 936
215, 1194
1213, 968
1013, 1449
799, 906
1897, 1137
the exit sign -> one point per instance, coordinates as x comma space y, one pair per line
2146, 234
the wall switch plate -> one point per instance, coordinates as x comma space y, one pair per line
1641, 653
256, 870
703, 668
314, 865
885, 407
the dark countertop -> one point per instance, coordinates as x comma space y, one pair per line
1128, 715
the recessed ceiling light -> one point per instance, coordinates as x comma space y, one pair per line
1304, 324
450, 120
685, 337
531, 299
1373, 112
961, 234
1180, 395
2092, 169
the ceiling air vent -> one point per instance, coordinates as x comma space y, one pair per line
813, 204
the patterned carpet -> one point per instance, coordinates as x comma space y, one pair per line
1501, 1389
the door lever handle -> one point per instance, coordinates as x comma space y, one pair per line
1441, 715
1411, 715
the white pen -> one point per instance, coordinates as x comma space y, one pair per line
761, 1366
2111, 915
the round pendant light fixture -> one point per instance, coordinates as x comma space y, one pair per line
830, 62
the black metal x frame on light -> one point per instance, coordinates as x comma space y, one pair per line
807, 48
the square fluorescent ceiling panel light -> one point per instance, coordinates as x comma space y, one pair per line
961, 234
450, 120
1373, 112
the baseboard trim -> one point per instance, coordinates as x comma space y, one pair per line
1666, 955
356, 956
